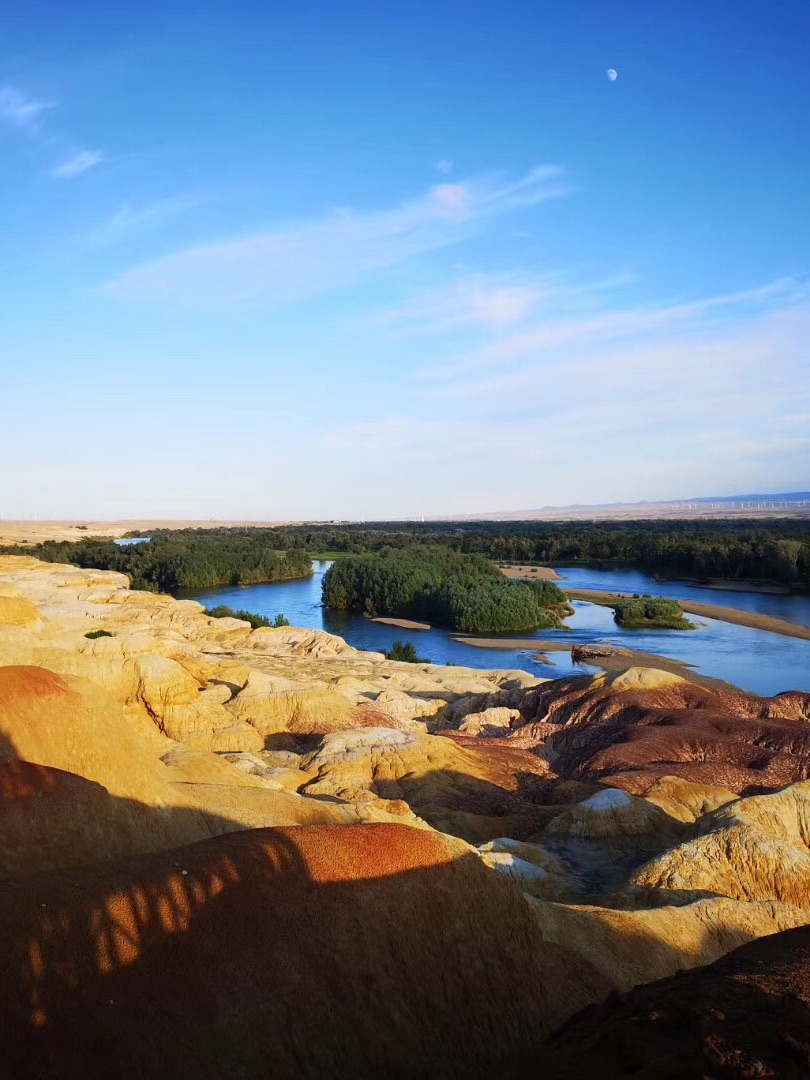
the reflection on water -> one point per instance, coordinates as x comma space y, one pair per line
756, 660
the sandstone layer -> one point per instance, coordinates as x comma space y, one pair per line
228, 851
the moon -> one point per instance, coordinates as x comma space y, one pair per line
612, 74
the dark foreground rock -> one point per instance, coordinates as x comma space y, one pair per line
746, 1016
363, 951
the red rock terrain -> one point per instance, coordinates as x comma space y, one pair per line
237, 853
633, 728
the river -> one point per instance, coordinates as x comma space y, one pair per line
756, 660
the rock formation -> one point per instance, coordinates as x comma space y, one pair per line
634, 727
225, 852
747, 1015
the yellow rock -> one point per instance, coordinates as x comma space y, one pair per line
757, 848
17, 611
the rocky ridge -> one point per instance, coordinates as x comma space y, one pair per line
191, 808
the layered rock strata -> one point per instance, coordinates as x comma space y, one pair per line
225, 852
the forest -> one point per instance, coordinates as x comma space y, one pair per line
459, 592
736, 550
184, 560
179, 561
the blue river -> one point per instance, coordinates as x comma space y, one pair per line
756, 660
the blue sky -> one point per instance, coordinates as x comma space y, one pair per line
352, 260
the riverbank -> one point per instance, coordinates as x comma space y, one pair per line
511, 643
403, 624
708, 611
767, 588
621, 659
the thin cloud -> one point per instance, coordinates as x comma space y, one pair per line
712, 406
289, 263
20, 111
485, 300
128, 221
557, 336
77, 164
490, 302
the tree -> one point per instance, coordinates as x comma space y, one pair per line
405, 652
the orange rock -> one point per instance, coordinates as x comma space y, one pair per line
345, 952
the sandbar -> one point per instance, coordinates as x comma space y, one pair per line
512, 643
539, 573
404, 624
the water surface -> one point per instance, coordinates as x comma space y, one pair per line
756, 660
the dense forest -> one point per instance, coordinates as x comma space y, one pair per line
459, 592
195, 559
183, 560
774, 550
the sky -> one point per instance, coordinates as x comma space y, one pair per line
377, 260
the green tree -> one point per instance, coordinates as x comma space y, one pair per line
406, 652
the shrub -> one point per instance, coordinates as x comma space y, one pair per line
222, 611
93, 634
405, 651
645, 612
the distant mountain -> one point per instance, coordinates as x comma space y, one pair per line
782, 504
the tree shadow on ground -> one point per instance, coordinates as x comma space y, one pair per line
318, 951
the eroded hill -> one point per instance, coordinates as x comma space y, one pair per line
234, 852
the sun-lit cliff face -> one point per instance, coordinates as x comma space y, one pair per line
227, 852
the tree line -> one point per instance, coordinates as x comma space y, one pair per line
179, 561
736, 550
196, 559
460, 592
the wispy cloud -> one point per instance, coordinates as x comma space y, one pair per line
26, 114
444, 166
20, 111
490, 302
128, 221
294, 261
77, 164
675, 399
560, 337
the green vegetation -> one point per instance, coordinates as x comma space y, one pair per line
460, 592
650, 613
192, 560
405, 651
184, 560
93, 634
222, 611
734, 550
